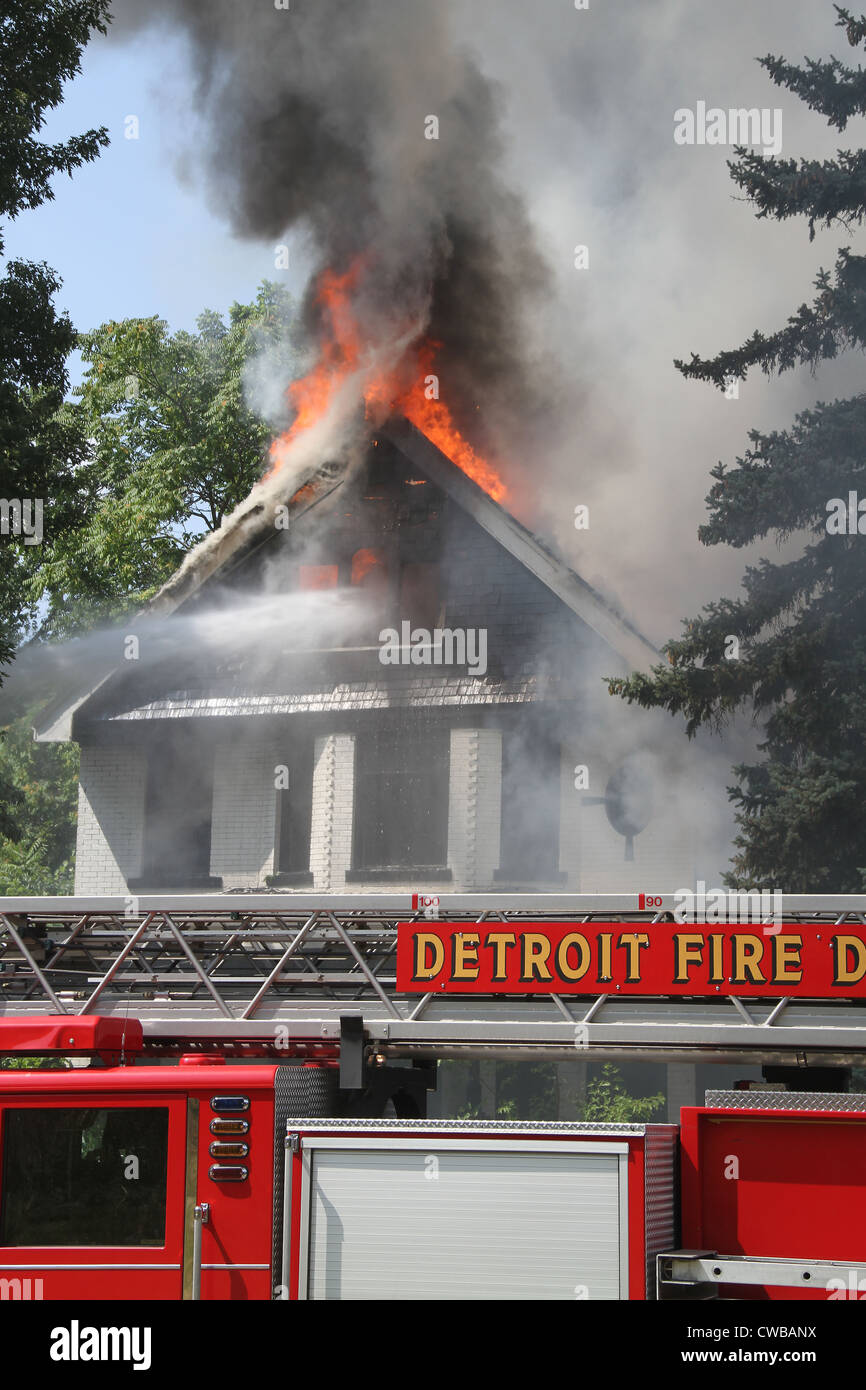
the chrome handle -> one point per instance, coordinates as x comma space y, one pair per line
200, 1218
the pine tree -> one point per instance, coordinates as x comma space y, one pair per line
800, 624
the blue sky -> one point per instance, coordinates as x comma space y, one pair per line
127, 236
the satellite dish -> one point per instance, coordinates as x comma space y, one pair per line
628, 799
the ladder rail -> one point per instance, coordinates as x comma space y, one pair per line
278, 970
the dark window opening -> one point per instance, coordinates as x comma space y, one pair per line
294, 811
420, 601
178, 816
84, 1176
401, 799
529, 841
380, 473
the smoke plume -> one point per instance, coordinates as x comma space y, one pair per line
372, 130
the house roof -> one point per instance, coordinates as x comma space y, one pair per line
585, 601
400, 692
251, 526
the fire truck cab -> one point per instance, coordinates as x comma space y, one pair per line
141, 1182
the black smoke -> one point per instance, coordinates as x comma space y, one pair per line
315, 119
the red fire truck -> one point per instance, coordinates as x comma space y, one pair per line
207, 1152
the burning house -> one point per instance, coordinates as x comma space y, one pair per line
383, 679
374, 674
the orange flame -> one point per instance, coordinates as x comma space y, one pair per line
364, 562
319, 576
342, 353
433, 418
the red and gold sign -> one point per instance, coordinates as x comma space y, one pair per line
813, 960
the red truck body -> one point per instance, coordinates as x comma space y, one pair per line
204, 1179
776, 1183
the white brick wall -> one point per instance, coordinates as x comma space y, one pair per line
111, 813
664, 853
474, 805
111, 796
244, 813
333, 806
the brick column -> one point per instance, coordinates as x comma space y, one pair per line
111, 794
244, 814
682, 1088
333, 811
474, 807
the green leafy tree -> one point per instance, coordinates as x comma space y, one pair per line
174, 448
801, 623
526, 1091
41, 42
9, 1063
608, 1101
37, 842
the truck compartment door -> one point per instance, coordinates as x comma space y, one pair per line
446, 1219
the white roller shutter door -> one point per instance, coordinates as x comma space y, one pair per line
423, 1221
